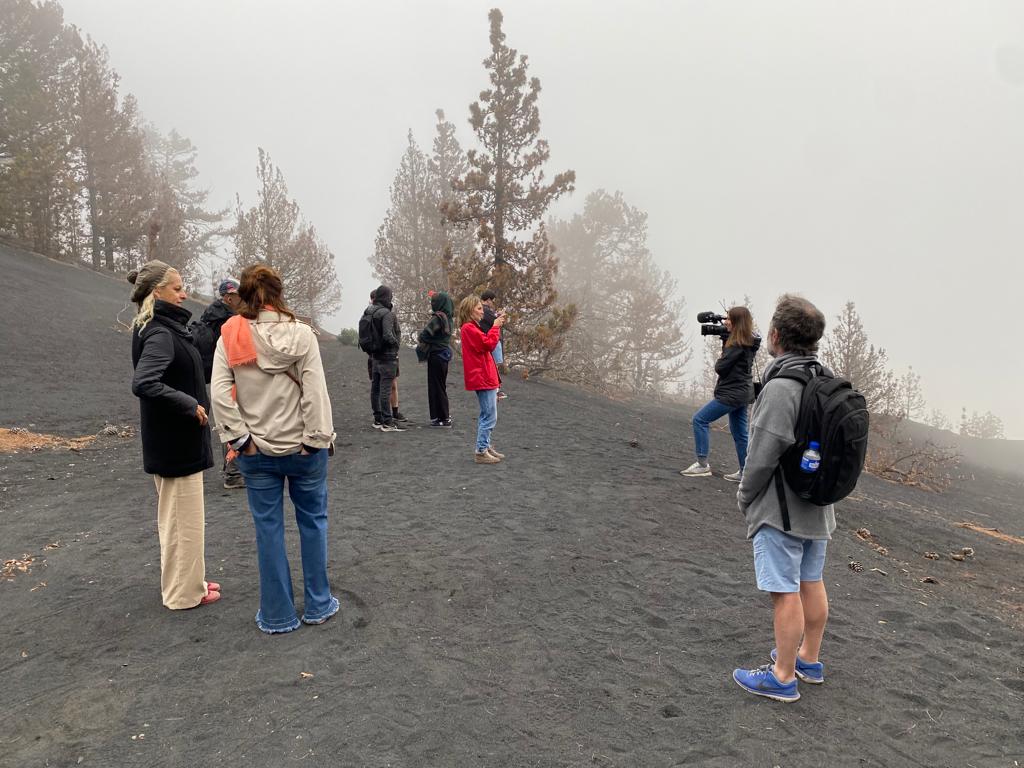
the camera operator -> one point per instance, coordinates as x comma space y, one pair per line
734, 390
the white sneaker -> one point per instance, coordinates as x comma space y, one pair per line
696, 470
734, 477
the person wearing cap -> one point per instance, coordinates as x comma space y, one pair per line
173, 404
223, 307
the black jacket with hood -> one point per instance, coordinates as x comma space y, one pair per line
735, 385
437, 333
386, 323
215, 316
169, 383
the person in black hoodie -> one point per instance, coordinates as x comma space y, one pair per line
384, 361
437, 335
176, 448
734, 391
214, 316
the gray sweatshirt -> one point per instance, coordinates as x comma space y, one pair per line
771, 433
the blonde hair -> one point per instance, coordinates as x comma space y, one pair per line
466, 307
148, 303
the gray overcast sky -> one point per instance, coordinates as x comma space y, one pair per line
865, 151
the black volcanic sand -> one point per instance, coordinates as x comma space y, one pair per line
580, 604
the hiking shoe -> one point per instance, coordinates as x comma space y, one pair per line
393, 427
696, 470
809, 672
734, 477
398, 416
762, 682
233, 482
446, 423
501, 395
494, 453
483, 457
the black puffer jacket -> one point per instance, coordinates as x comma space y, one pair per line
735, 385
169, 383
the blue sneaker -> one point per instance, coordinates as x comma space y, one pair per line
762, 682
809, 672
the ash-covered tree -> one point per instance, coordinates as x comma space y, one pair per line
506, 198
447, 165
910, 398
982, 425
38, 84
938, 420
627, 332
273, 232
189, 233
409, 248
848, 353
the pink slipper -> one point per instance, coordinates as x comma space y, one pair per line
212, 586
211, 597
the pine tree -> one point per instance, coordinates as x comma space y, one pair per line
409, 248
910, 397
189, 232
627, 332
506, 198
273, 232
38, 186
849, 353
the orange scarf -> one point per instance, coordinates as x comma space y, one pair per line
238, 343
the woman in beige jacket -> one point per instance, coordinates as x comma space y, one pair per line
270, 403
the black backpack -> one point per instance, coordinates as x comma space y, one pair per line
834, 415
370, 334
202, 338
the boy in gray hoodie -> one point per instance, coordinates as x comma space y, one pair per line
788, 564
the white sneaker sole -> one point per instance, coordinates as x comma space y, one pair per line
684, 473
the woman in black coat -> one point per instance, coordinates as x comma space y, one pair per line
171, 388
734, 391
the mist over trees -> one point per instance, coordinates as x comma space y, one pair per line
81, 177
416, 242
627, 333
84, 179
273, 232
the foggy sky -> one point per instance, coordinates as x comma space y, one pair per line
863, 151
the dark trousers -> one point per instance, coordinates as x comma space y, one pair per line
437, 386
384, 372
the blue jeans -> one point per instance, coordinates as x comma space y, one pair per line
713, 411
497, 356
488, 417
307, 486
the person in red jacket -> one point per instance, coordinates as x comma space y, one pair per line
480, 372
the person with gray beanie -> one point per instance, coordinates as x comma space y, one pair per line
175, 429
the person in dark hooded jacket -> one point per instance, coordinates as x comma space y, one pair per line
385, 360
437, 335
734, 391
214, 316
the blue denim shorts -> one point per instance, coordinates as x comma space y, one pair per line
782, 561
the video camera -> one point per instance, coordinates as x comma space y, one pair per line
711, 325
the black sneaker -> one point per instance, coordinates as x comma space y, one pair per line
378, 424
446, 423
398, 416
233, 482
393, 427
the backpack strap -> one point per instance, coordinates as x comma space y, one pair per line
780, 490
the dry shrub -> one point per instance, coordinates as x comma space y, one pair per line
19, 440
896, 456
